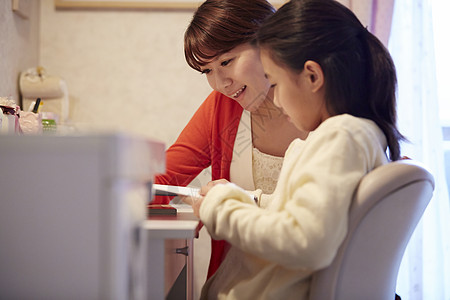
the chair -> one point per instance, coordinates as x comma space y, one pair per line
386, 208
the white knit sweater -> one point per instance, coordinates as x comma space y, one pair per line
276, 249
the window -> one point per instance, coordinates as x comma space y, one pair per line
441, 24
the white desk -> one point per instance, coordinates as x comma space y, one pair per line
166, 234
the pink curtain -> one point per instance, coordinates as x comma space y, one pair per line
375, 14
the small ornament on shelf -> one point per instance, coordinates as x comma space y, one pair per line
9, 116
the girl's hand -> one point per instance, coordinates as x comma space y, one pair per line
188, 199
196, 202
205, 189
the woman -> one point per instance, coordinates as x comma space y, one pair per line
237, 130
332, 78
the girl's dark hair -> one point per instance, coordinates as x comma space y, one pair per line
360, 77
218, 26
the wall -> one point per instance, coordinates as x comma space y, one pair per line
19, 47
125, 69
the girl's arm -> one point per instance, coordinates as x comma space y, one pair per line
306, 220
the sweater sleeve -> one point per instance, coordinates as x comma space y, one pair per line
306, 220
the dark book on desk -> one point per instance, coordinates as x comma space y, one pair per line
161, 209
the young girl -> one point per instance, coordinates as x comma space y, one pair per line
333, 78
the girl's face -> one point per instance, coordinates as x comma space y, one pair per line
299, 95
239, 75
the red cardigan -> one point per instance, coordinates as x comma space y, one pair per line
207, 140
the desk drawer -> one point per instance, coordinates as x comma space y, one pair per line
173, 262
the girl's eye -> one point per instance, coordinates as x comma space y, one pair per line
226, 62
205, 71
273, 85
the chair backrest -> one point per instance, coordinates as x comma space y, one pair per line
386, 208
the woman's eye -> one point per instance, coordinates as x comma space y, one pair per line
205, 71
226, 62
273, 85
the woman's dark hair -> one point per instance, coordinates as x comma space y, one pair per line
360, 77
218, 26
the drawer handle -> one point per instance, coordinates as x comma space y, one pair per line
184, 251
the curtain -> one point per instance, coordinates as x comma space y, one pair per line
425, 269
375, 14
406, 28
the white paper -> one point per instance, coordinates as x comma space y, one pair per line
173, 190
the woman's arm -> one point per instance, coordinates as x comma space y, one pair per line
190, 153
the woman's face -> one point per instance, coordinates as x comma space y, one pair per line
299, 95
239, 75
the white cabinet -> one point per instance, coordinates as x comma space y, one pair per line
72, 210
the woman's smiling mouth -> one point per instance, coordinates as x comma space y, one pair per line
239, 92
